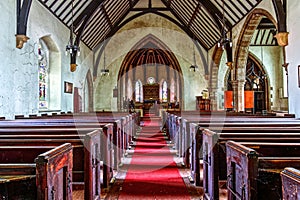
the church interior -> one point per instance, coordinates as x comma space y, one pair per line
149, 99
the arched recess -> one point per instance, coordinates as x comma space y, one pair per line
88, 92
150, 57
55, 83
102, 45
256, 80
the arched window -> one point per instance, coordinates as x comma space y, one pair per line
138, 91
165, 92
43, 58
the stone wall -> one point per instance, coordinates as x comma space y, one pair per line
177, 41
19, 67
293, 58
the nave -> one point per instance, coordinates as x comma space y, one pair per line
152, 169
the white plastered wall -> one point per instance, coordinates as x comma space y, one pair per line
121, 43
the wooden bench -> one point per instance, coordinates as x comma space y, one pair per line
178, 127
128, 124
44, 171
118, 129
253, 169
106, 139
194, 143
214, 152
86, 170
290, 178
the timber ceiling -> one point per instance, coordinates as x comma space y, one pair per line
265, 33
97, 20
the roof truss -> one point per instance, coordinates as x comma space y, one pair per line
96, 20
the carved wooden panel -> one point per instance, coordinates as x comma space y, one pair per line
290, 184
151, 92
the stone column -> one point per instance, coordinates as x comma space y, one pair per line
213, 99
238, 95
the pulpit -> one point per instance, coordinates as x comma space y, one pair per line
202, 104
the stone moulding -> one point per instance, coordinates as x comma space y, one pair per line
282, 38
20, 40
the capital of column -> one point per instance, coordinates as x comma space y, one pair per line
238, 83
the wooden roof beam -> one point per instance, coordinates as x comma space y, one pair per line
22, 19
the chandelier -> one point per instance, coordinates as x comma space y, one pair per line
224, 41
104, 72
194, 67
72, 48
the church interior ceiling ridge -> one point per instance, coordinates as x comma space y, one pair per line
97, 20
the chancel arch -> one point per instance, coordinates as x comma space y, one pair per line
150, 62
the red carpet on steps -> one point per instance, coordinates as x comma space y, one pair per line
152, 173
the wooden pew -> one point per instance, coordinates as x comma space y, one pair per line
86, 171
48, 178
118, 129
125, 126
70, 133
21, 176
290, 178
253, 169
182, 142
195, 139
214, 152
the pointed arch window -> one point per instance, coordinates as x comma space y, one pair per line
43, 58
164, 92
138, 91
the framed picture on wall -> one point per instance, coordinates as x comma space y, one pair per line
68, 87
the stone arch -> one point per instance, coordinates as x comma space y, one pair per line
55, 83
242, 52
90, 91
149, 51
242, 49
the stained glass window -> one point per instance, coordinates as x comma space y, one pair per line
138, 91
43, 75
165, 92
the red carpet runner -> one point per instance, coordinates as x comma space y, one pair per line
152, 173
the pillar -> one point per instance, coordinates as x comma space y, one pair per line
238, 95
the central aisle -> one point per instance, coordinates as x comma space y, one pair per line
152, 172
